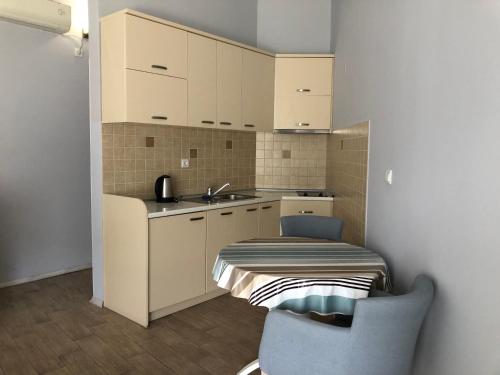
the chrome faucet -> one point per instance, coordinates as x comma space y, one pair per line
209, 190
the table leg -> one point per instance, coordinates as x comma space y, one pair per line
252, 366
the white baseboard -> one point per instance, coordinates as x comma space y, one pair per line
45, 276
97, 301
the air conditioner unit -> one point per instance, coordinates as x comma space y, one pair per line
42, 14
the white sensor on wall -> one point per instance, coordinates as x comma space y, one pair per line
42, 14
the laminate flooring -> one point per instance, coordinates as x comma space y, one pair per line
49, 327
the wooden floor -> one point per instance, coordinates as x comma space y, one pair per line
49, 327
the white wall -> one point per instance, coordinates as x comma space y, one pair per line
234, 19
294, 26
427, 74
44, 154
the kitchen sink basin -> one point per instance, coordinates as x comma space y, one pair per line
232, 197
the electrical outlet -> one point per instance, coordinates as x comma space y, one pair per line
184, 163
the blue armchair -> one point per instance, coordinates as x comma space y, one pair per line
322, 227
381, 340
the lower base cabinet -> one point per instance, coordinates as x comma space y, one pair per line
306, 207
269, 219
155, 267
176, 259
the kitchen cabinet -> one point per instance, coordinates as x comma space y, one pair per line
257, 91
157, 266
229, 73
269, 219
303, 76
307, 113
247, 219
202, 81
222, 229
155, 99
306, 207
303, 93
141, 62
155, 48
176, 259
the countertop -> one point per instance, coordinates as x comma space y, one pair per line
156, 209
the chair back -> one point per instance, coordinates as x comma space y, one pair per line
320, 227
385, 330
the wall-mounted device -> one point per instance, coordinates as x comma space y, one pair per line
43, 14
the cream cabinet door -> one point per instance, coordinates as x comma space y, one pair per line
222, 230
304, 76
247, 219
306, 207
176, 259
155, 99
156, 48
303, 113
229, 66
202, 81
257, 91
269, 219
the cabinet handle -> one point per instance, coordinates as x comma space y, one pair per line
249, 126
306, 212
159, 117
197, 218
303, 90
251, 209
225, 123
226, 213
154, 66
267, 207
207, 122
303, 124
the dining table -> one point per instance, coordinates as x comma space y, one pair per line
301, 275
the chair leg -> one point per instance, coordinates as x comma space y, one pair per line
248, 369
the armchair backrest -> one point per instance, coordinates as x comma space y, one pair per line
321, 227
384, 331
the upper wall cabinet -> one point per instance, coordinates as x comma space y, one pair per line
143, 71
303, 93
155, 48
202, 81
257, 91
304, 76
229, 68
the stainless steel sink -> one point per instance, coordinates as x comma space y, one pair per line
233, 197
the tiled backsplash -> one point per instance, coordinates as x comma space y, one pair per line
347, 164
135, 155
291, 161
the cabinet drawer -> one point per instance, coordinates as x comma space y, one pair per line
156, 48
176, 259
303, 113
155, 99
304, 76
306, 207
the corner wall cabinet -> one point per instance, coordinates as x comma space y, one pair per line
303, 93
158, 72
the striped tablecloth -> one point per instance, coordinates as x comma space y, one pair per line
300, 274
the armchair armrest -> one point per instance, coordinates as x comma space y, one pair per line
293, 344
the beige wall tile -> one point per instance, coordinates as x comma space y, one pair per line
286, 155
346, 166
131, 168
